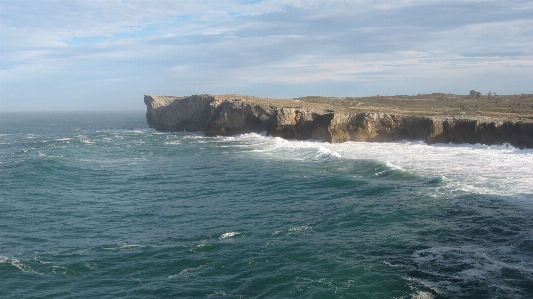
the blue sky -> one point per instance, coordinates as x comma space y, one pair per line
105, 55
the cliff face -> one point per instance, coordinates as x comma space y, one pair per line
178, 114
228, 117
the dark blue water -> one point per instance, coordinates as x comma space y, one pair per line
97, 205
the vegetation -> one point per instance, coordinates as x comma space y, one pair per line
473, 105
509, 107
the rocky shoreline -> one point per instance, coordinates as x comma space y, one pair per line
219, 115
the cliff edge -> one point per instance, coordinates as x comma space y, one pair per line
292, 119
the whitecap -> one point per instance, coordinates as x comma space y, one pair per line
130, 246
172, 143
299, 228
59, 270
325, 154
123, 246
499, 170
90, 266
496, 169
141, 131
17, 264
389, 264
87, 141
422, 295
199, 246
228, 235
186, 272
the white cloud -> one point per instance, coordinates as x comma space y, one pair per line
358, 47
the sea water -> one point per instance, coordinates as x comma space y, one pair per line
98, 205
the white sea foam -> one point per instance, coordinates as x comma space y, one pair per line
298, 228
59, 270
123, 246
90, 266
130, 246
187, 272
228, 235
200, 246
17, 264
486, 169
279, 148
500, 170
389, 264
184, 271
87, 141
172, 143
422, 295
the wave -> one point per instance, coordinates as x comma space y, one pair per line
17, 264
228, 235
122, 246
478, 168
325, 156
187, 272
467, 266
494, 169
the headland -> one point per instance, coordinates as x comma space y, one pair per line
433, 118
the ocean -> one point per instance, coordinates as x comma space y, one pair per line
98, 205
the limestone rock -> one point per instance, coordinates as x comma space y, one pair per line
178, 114
237, 116
297, 123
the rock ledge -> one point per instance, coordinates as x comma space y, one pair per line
216, 115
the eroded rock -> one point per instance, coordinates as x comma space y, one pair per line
237, 116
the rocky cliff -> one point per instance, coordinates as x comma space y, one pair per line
226, 116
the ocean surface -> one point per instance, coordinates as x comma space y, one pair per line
98, 205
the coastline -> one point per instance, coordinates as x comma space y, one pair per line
311, 118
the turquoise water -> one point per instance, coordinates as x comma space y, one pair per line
97, 205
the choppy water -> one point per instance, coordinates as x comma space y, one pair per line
97, 205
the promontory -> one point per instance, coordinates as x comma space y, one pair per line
433, 118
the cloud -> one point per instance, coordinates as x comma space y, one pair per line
270, 47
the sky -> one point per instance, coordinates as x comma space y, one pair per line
105, 55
